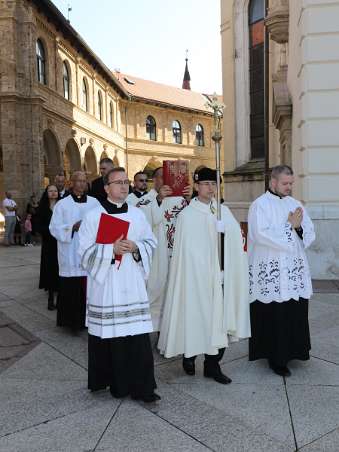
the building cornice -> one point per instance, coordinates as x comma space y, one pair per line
51, 12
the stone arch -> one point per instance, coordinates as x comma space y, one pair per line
104, 155
151, 165
51, 156
72, 159
90, 164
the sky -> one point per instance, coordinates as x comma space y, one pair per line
149, 38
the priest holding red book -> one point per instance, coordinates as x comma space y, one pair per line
173, 192
116, 247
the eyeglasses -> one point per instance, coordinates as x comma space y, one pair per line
142, 180
119, 182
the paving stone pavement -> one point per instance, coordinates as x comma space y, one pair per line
45, 405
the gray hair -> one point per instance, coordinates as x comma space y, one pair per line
281, 169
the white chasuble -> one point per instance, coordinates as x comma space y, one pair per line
278, 264
163, 220
66, 213
197, 316
117, 301
143, 201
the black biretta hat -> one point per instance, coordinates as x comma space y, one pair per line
205, 174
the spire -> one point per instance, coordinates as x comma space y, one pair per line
187, 78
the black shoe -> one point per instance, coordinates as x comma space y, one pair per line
282, 371
154, 397
50, 305
188, 366
217, 376
287, 371
98, 388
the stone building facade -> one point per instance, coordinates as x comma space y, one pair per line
301, 93
62, 108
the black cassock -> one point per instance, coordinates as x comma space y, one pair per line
124, 364
280, 331
97, 189
49, 268
71, 301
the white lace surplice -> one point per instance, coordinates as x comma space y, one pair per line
278, 266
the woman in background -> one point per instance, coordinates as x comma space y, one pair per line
49, 268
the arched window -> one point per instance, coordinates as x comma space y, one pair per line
151, 128
41, 62
256, 14
176, 129
100, 115
111, 114
66, 80
199, 135
84, 99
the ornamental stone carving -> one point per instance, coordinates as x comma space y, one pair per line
282, 113
277, 21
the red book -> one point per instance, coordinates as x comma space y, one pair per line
244, 232
110, 230
176, 175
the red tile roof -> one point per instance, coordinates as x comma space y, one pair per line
150, 91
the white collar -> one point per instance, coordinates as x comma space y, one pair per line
115, 203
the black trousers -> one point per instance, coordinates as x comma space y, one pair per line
211, 362
125, 364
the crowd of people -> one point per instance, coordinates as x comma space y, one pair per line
124, 262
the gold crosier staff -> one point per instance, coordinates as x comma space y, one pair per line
217, 108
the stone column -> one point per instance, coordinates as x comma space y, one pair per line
277, 23
313, 81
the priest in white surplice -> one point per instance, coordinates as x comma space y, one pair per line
162, 213
118, 311
198, 317
64, 226
279, 231
139, 195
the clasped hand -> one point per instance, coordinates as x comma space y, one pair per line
296, 217
124, 246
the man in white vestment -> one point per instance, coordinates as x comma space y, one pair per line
198, 315
64, 226
118, 311
279, 231
162, 213
139, 195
